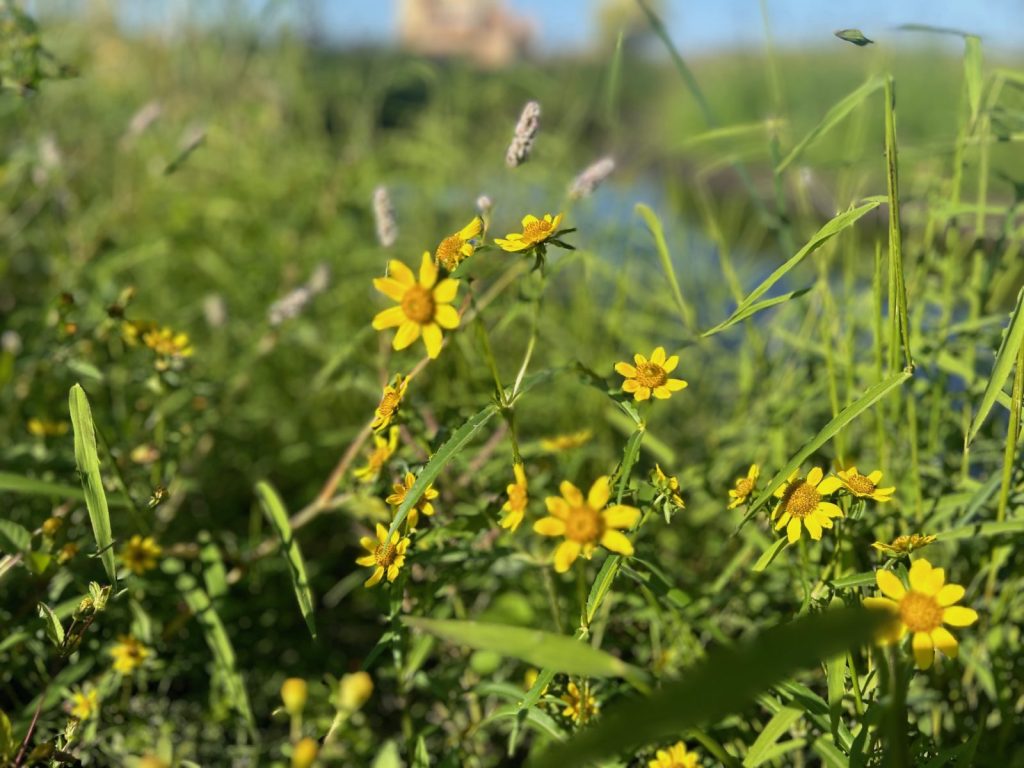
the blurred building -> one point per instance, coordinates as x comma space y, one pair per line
481, 30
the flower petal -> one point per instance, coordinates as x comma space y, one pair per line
528, 219
428, 271
549, 526
670, 364
813, 527
390, 287
599, 493
829, 509
829, 485
392, 317
445, 291
944, 641
472, 229
408, 332
959, 616
625, 369
639, 359
924, 578
662, 392
368, 543
676, 385
814, 477
557, 506
620, 516
643, 393
793, 530
446, 316
949, 594
366, 560
571, 494
398, 271
875, 476
658, 356
382, 533
566, 555
630, 385
924, 651
433, 338
616, 541
378, 574
890, 584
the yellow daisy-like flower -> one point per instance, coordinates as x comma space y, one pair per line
802, 504
390, 402
904, 545
424, 307
422, 505
535, 232
922, 610
383, 450
387, 556
676, 756
744, 487
585, 523
170, 347
140, 554
85, 703
580, 705
46, 428
456, 248
649, 377
515, 507
129, 654
667, 486
865, 486
559, 443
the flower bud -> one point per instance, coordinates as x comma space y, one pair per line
304, 753
293, 694
354, 690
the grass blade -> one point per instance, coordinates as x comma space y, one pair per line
275, 512
658, 232
1013, 337
972, 74
781, 722
897, 286
753, 309
88, 461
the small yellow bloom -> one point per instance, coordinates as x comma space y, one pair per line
515, 507
423, 504
535, 232
354, 690
580, 706
667, 486
46, 428
387, 556
383, 449
85, 703
171, 348
390, 402
129, 654
51, 526
650, 376
802, 505
744, 487
530, 679
676, 756
585, 523
559, 443
294, 692
424, 307
456, 248
304, 753
904, 545
922, 610
140, 554
865, 486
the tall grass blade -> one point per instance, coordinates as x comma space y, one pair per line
972, 74
781, 722
657, 231
1013, 337
898, 286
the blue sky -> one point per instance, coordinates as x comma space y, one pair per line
700, 25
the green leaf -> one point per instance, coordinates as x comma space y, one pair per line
6, 738
54, 629
602, 585
977, 530
31, 486
275, 512
776, 728
972, 73
388, 756
897, 287
770, 554
1013, 337
18, 535
736, 675
865, 579
654, 225
754, 308
88, 461
835, 677
854, 36
542, 649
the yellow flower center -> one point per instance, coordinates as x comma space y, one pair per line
384, 554
536, 231
744, 487
584, 525
418, 304
860, 484
650, 375
449, 252
802, 500
920, 612
389, 403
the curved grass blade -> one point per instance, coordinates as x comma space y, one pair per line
994, 528
31, 486
753, 309
736, 675
275, 512
1013, 337
761, 750
88, 461
770, 554
657, 231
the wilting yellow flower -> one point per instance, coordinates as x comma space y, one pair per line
802, 505
676, 756
170, 347
650, 376
129, 654
383, 449
744, 487
922, 610
354, 690
387, 556
423, 504
904, 545
390, 402
535, 232
667, 486
304, 753
865, 486
424, 307
294, 692
67, 552
454, 249
46, 428
140, 554
585, 523
515, 507
580, 706
558, 443
85, 703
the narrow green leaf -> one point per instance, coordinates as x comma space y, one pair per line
781, 722
602, 585
1006, 527
736, 675
972, 73
1013, 337
88, 461
770, 554
31, 486
6, 738
897, 286
215, 575
18, 535
54, 629
742, 314
388, 756
852, 581
275, 512
835, 678
658, 233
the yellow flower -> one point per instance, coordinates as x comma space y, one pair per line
744, 487
802, 505
46, 428
904, 545
304, 753
454, 249
424, 307
676, 756
387, 556
354, 690
535, 232
650, 376
422, 504
585, 523
580, 706
390, 401
530, 679
294, 692
515, 507
129, 654
667, 486
383, 449
170, 347
85, 703
140, 554
922, 610
558, 443
865, 486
